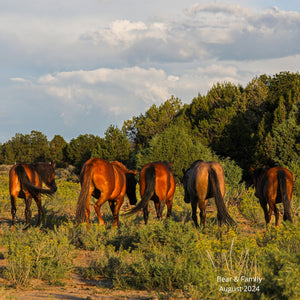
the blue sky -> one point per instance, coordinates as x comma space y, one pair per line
73, 67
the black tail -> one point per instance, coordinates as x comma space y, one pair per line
281, 176
149, 191
84, 194
222, 210
28, 185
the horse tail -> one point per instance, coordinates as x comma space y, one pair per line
281, 176
84, 195
149, 190
28, 185
221, 208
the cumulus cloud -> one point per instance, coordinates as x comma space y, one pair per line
236, 32
116, 93
125, 33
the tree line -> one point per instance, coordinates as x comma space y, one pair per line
242, 126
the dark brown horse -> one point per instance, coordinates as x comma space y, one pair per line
157, 183
272, 186
204, 180
25, 181
106, 181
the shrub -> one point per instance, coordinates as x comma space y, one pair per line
34, 254
251, 208
281, 261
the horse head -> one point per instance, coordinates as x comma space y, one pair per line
131, 186
185, 182
47, 172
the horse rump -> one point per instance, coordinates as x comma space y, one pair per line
26, 184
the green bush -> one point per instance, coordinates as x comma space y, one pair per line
34, 254
170, 256
250, 207
281, 261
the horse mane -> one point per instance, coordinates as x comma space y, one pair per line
41, 168
259, 171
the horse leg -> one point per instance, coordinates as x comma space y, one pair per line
115, 209
157, 209
169, 207
102, 199
276, 211
265, 209
272, 208
194, 211
202, 207
13, 211
28, 211
87, 215
159, 206
40, 209
146, 214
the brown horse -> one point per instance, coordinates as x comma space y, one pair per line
157, 183
272, 186
25, 181
204, 180
106, 181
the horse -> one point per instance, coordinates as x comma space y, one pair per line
25, 181
157, 183
105, 181
204, 180
272, 186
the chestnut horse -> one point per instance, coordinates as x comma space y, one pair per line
272, 186
157, 183
204, 180
106, 181
25, 181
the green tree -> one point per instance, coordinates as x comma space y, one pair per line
287, 139
26, 148
140, 130
174, 145
39, 146
116, 145
279, 113
80, 149
57, 150
9, 156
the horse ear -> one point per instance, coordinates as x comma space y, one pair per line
183, 170
251, 169
171, 164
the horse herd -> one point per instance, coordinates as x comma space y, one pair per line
110, 181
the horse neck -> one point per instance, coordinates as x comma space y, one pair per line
40, 170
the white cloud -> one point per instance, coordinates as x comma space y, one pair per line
119, 93
20, 80
125, 33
